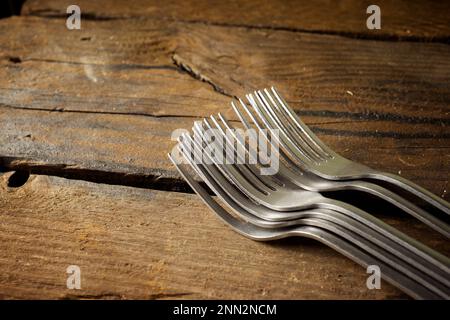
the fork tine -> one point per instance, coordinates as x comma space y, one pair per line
257, 192
300, 125
251, 115
226, 190
298, 134
238, 138
291, 165
243, 181
275, 139
301, 154
296, 158
247, 124
250, 152
269, 112
249, 171
254, 120
232, 129
243, 228
230, 143
241, 117
299, 141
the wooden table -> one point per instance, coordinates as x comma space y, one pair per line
90, 114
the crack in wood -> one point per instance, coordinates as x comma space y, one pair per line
196, 74
350, 35
373, 116
380, 134
120, 66
54, 14
356, 116
105, 295
46, 13
74, 172
139, 114
111, 295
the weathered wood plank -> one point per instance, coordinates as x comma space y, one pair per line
321, 75
100, 70
122, 85
142, 80
399, 105
415, 20
326, 73
136, 146
146, 244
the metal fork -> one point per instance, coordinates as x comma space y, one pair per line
326, 163
309, 181
240, 204
272, 195
322, 235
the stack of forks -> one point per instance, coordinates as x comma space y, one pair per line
288, 202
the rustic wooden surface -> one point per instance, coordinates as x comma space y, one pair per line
100, 104
406, 20
138, 243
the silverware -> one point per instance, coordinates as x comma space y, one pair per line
290, 149
288, 203
322, 234
323, 161
272, 195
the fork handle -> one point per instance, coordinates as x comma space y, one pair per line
356, 254
433, 222
439, 263
413, 188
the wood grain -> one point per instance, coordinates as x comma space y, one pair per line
320, 75
157, 70
406, 20
100, 104
353, 93
101, 70
134, 148
147, 244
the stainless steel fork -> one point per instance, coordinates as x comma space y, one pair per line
313, 182
274, 196
248, 210
326, 163
320, 234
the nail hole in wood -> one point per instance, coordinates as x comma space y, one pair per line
18, 179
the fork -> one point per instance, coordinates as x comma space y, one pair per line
323, 161
309, 181
322, 235
230, 194
273, 195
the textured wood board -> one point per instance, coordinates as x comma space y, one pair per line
137, 146
169, 68
321, 73
356, 94
100, 104
147, 244
45, 66
407, 20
